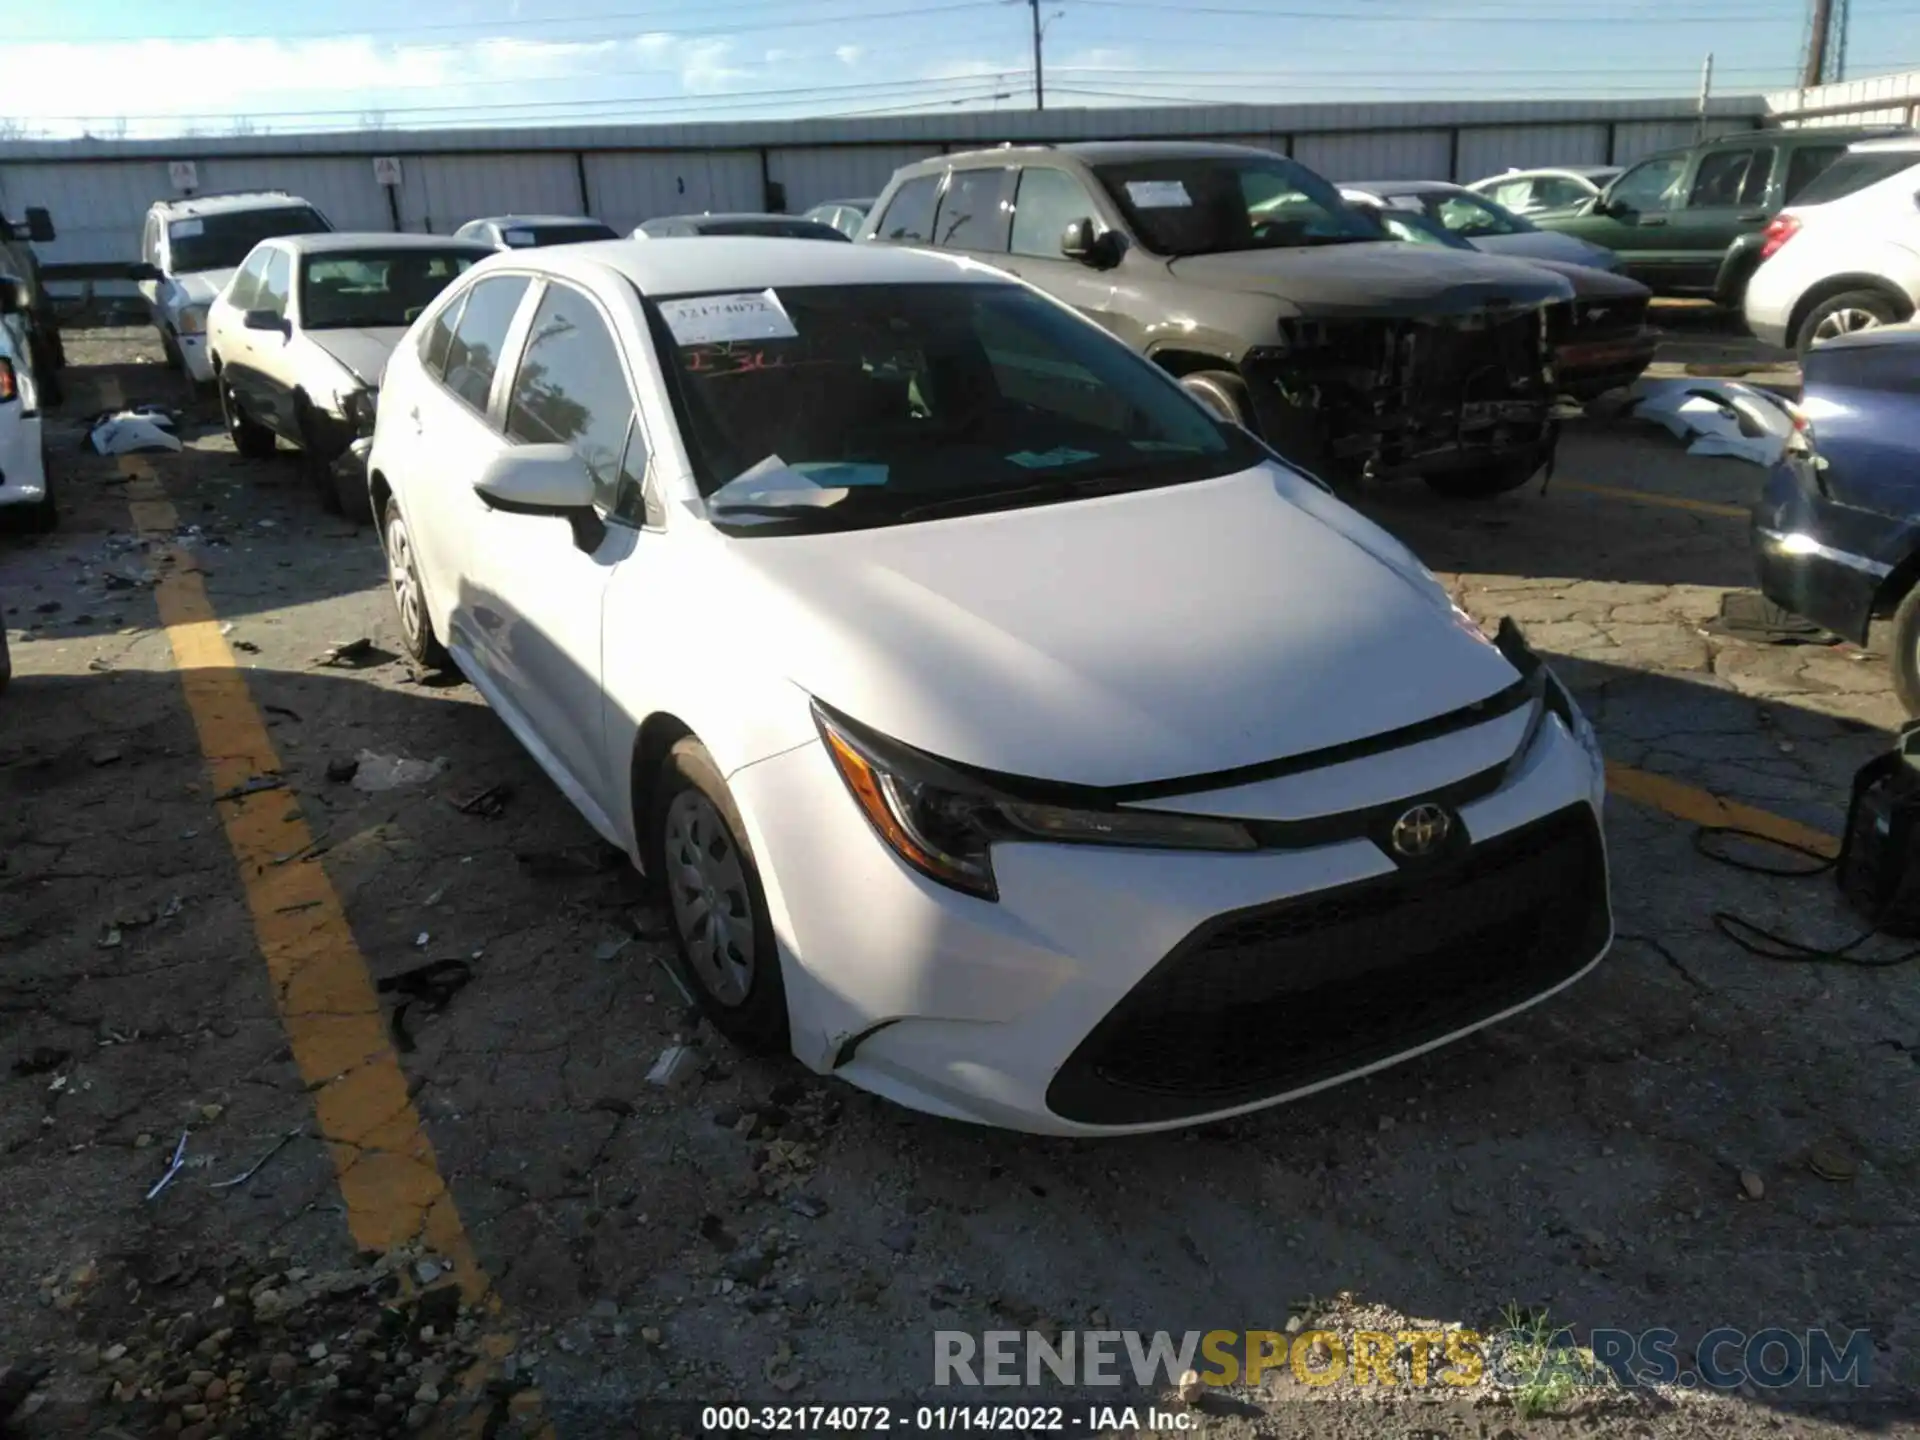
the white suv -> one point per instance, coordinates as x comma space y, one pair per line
1846, 256
196, 245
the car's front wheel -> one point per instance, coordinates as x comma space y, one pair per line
720, 920
409, 600
252, 440
1906, 652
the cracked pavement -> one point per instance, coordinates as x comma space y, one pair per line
655, 1247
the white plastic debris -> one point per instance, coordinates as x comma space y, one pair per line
1717, 417
675, 1065
125, 431
390, 772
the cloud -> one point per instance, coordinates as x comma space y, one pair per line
850, 55
1100, 58
703, 66
970, 69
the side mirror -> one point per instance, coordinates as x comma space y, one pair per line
13, 295
1080, 241
265, 320
39, 225
536, 480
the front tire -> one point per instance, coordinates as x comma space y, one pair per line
253, 441
1843, 314
409, 599
1906, 652
316, 466
1494, 478
720, 920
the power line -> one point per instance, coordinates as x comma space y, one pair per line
1515, 17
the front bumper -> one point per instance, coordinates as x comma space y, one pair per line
1006, 1013
1586, 368
194, 357
23, 459
1822, 560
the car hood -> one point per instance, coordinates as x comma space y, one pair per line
201, 287
1591, 284
1149, 636
1547, 245
1384, 278
364, 352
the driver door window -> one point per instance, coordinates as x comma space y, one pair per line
276, 283
571, 389
1648, 188
1046, 202
245, 294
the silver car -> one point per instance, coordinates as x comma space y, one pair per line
301, 334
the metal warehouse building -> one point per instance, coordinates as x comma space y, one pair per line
98, 190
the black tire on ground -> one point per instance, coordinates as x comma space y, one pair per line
700, 852
409, 600
171, 350
316, 465
1222, 392
350, 489
252, 440
46, 369
1494, 478
1905, 647
1852, 310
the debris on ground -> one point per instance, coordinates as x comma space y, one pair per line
676, 1065
489, 804
136, 428
376, 773
1830, 1161
347, 652
1716, 417
433, 985
40, 1060
174, 1167
1749, 615
254, 1169
569, 861
342, 768
253, 785
1752, 1186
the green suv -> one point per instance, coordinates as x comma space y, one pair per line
1689, 222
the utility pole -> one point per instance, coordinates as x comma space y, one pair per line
1816, 68
1039, 73
1706, 92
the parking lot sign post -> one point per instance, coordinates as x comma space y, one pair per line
386, 174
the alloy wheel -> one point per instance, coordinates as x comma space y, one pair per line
1845, 322
708, 888
406, 584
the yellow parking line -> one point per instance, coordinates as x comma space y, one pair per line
1701, 807
1648, 497
388, 1174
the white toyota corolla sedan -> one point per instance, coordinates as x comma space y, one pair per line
1011, 737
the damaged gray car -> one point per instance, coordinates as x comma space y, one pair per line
1285, 309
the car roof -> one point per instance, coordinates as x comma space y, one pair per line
1887, 143
745, 262
238, 200
535, 220
725, 216
1122, 152
326, 242
863, 200
1402, 187
1811, 134
1584, 172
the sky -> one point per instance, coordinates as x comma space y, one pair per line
135, 68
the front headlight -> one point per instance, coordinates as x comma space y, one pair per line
360, 407
945, 823
193, 320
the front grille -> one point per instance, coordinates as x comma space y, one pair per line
1268, 1000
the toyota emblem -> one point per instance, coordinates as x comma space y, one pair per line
1421, 831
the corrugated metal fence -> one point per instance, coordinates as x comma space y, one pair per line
1880, 100
99, 190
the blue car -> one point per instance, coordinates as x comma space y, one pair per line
1836, 531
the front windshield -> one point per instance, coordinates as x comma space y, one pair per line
222, 241
375, 288
958, 396
1467, 215
1206, 204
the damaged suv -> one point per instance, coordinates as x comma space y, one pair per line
1275, 302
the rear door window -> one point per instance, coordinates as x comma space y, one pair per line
1730, 177
909, 216
438, 340
480, 335
1808, 163
974, 211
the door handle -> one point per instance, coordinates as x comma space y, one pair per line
1752, 217
1651, 220
414, 415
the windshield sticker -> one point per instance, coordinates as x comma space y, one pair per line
186, 229
1051, 459
730, 359
1158, 194
840, 472
710, 319
773, 482
518, 237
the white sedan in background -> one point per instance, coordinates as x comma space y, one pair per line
1011, 737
